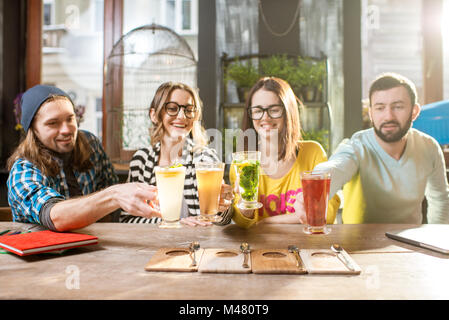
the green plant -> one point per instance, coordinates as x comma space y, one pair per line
320, 136
300, 73
244, 74
310, 72
279, 66
286, 68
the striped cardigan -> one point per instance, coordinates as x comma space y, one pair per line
141, 169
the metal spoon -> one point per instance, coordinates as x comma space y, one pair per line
195, 245
341, 255
244, 247
294, 249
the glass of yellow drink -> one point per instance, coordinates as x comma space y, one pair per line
247, 169
209, 178
170, 188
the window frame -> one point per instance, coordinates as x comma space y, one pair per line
179, 18
113, 25
52, 10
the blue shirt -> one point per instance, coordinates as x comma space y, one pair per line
29, 189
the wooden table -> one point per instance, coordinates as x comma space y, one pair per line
114, 269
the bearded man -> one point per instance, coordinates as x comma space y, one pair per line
389, 169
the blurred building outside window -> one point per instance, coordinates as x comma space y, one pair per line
445, 30
72, 51
72, 55
181, 16
392, 40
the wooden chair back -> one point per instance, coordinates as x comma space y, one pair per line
5, 214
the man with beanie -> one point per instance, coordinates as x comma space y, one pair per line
60, 176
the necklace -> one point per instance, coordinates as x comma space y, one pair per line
277, 34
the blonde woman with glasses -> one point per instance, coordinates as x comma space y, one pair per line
177, 137
272, 112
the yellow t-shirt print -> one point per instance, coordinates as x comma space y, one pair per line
274, 204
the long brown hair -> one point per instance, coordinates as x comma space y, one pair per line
160, 98
33, 150
291, 133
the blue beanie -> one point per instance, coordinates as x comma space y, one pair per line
33, 98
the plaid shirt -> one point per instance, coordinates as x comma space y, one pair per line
29, 189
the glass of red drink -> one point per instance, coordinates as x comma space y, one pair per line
315, 188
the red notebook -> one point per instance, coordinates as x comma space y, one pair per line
44, 241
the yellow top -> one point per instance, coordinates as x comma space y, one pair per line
278, 195
355, 206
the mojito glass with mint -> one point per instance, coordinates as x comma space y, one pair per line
247, 169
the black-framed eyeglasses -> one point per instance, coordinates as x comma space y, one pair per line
275, 111
172, 109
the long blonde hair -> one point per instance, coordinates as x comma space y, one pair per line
290, 135
33, 150
160, 98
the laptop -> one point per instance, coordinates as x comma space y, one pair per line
429, 236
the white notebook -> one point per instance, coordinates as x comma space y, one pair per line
430, 236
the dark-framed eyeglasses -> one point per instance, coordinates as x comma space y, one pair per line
275, 111
172, 109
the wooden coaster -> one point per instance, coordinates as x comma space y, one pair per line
174, 259
276, 261
326, 262
223, 261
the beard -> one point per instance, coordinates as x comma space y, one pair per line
394, 136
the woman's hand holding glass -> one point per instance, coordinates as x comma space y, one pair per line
226, 197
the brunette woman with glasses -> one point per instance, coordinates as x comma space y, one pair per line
272, 112
177, 137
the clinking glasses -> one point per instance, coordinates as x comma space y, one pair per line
275, 111
172, 109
